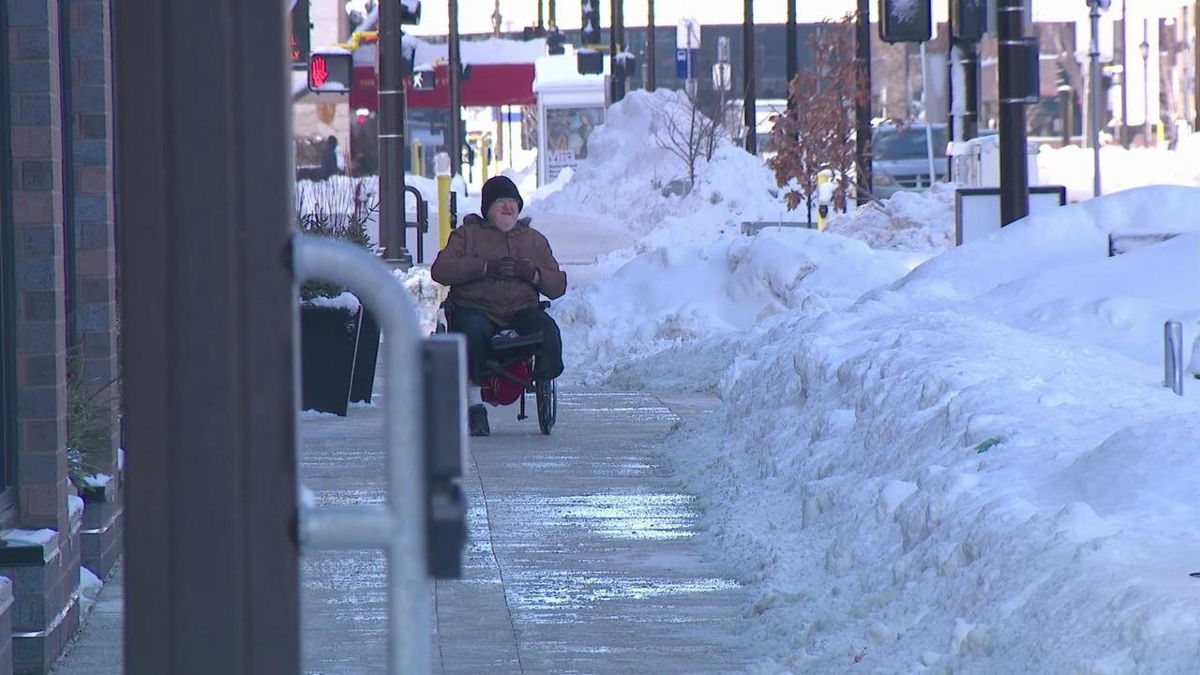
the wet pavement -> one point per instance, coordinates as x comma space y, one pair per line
581, 558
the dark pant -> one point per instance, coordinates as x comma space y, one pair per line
478, 330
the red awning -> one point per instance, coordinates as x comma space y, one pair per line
491, 84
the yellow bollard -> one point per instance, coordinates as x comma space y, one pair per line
418, 163
822, 200
442, 163
1161, 129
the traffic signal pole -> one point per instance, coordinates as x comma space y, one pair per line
862, 107
391, 135
455, 73
751, 112
1014, 170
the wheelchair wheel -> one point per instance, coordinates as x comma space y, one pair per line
546, 393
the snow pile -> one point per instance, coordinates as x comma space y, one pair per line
907, 221
629, 175
974, 469
680, 294
426, 295
1120, 169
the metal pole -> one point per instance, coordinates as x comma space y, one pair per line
616, 81
651, 54
553, 14
1196, 64
862, 104
1095, 94
456, 141
1125, 73
1146, 82
620, 24
1014, 170
792, 41
1173, 356
751, 113
925, 109
399, 527
391, 135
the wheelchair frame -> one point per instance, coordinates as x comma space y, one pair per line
545, 392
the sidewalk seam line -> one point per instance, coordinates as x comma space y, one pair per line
487, 512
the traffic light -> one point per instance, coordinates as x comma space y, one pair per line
589, 62
554, 42
410, 11
424, 80
331, 72
301, 32
969, 19
905, 20
590, 32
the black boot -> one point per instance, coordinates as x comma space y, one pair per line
477, 420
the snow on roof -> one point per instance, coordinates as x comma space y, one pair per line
491, 50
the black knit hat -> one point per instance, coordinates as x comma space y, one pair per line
499, 187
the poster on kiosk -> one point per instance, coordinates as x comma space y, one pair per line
570, 106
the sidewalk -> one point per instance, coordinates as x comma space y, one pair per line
581, 556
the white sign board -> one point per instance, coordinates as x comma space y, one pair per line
687, 36
977, 210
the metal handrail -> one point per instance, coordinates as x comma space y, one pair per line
422, 221
399, 527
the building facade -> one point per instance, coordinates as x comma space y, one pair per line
60, 501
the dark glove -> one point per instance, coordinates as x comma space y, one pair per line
501, 268
525, 270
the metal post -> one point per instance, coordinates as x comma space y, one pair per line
651, 48
1095, 117
1145, 46
616, 82
748, 78
398, 528
862, 107
793, 45
456, 141
1173, 356
391, 135
1196, 64
925, 107
209, 316
1014, 171
1125, 73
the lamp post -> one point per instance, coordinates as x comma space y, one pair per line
1145, 49
1096, 104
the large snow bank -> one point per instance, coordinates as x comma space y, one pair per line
975, 469
1120, 169
628, 175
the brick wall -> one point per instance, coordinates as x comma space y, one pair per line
37, 206
91, 170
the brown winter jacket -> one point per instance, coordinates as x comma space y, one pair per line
461, 267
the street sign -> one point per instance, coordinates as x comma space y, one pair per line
722, 74
722, 49
687, 36
685, 63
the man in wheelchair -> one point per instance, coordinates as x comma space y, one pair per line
497, 268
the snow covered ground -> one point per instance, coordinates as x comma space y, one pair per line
926, 459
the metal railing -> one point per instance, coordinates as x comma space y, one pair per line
399, 527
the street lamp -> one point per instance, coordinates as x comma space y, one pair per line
1145, 49
1096, 101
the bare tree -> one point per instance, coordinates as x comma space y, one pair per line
817, 131
682, 128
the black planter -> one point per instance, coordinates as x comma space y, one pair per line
328, 343
364, 362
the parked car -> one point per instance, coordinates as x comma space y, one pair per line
900, 158
900, 161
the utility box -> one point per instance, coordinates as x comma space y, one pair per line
976, 163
